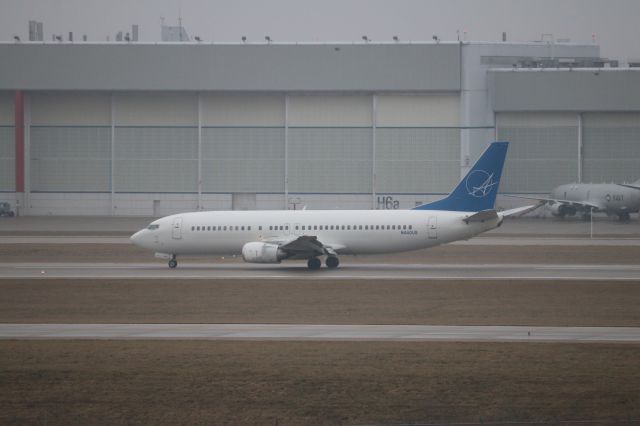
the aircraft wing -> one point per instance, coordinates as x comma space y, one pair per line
305, 246
630, 186
552, 201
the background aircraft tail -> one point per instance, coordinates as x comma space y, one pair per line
478, 189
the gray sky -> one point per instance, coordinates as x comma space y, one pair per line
614, 22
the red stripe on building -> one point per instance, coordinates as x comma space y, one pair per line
19, 130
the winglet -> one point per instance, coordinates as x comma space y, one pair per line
478, 190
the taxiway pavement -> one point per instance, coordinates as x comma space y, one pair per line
299, 271
319, 332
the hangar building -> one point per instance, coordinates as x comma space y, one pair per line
154, 129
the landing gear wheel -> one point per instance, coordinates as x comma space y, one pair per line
314, 263
332, 262
173, 263
624, 217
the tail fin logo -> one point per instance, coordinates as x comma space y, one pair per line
480, 183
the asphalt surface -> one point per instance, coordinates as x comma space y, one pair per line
607, 232
319, 332
298, 270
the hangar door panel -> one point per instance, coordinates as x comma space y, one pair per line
156, 142
417, 143
7, 142
242, 143
7, 109
611, 147
243, 159
70, 158
156, 159
543, 151
330, 143
7, 158
70, 142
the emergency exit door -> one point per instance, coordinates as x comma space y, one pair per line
432, 227
176, 232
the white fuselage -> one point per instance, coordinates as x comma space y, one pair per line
345, 231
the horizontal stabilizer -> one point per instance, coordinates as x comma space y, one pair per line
482, 216
519, 211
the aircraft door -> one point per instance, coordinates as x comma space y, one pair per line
176, 230
432, 227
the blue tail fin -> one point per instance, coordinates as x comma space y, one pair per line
478, 190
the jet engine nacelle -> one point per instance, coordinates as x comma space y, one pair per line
562, 210
257, 252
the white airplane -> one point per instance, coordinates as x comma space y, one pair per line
273, 236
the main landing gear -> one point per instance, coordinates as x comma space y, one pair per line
173, 262
315, 263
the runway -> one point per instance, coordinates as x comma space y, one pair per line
412, 333
298, 270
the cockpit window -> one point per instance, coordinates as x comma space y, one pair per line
152, 227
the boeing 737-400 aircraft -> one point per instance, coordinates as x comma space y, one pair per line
273, 236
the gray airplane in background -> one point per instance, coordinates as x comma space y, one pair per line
586, 198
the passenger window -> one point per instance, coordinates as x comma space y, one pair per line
193, 228
225, 228
286, 227
242, 228
281, 228
302, 227
260, 228
348, 227
270, 228
404, 226
410, 226
377, 227
321, 227
366, 227
248, 228
360, 227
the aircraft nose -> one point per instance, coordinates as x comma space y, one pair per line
136, 238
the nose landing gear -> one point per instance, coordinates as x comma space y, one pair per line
173, 262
